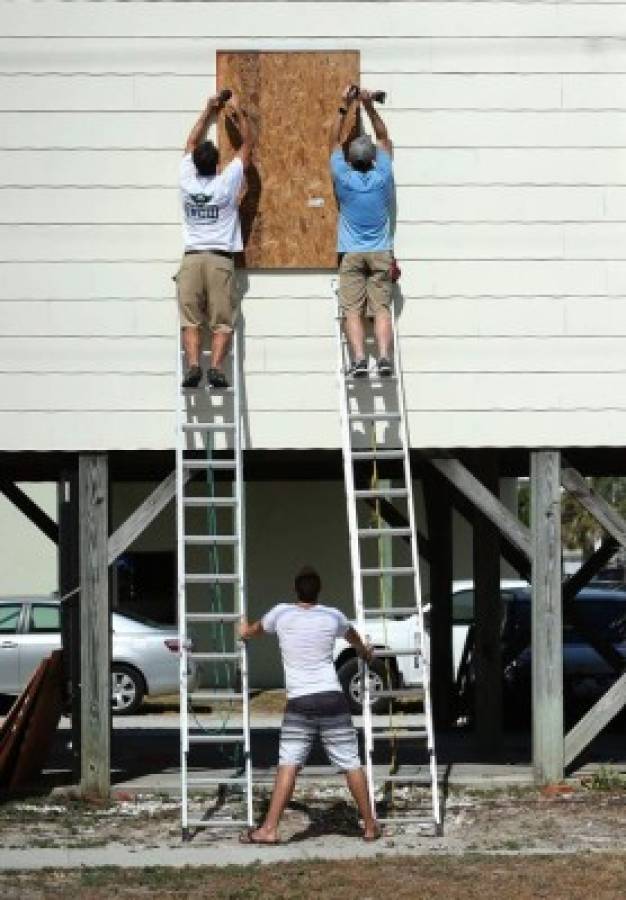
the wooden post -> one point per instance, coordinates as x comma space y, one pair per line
95, 663
487, 615
69, 576
547, 629
439, 518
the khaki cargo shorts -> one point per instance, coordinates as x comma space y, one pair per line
364, 283
205, 291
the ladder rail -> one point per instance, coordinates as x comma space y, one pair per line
240, 531
425, 639
355, 551
188, 410
180, 581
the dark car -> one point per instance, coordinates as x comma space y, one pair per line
586, 675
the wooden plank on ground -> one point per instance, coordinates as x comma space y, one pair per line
600, 714
491, 507
547, 629
95, 664
41, 724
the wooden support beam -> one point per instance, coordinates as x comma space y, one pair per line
439, 519
138, 521
603, 512
95, 663
585, 730
516, 558
572, 586
482, 498
69, 577
546, 629
31, 510
488, 615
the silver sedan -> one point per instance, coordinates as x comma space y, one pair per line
144, 655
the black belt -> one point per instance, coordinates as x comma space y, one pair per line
216, 252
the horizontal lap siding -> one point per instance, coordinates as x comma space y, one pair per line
509, 121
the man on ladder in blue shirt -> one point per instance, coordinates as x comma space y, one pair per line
364, 190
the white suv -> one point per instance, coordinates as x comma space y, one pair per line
402, 634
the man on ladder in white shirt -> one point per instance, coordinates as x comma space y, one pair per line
212, 236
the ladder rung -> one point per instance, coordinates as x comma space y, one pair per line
213, 617
209, 463
389, 654
373, 376
424, 778
399, 692
381, 492
216, 738
207, 389
214, 695
373, 416
388, 570
210, 501
389, 734
383, 532
198, 782
211, 578
208, 426
412, 820
214, 657
217, 823
358, 455
201, 540
390, 611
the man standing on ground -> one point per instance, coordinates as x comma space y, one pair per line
212, 236
315, 702
364, 190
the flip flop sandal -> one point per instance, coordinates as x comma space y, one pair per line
246, 837
374, 837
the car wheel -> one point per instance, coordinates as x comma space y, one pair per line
380, 680
127, 690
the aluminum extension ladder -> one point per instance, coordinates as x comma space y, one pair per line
365, 449
211, 594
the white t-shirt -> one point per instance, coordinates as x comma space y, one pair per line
209, 207
306, 638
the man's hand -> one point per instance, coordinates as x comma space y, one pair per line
247, 631
365, 96
367, 653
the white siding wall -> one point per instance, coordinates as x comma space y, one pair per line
509, 121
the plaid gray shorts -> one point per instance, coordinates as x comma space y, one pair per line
327, 714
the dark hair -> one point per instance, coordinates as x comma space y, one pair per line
205, 158
362, 166
308, 584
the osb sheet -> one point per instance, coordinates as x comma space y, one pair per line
289, 213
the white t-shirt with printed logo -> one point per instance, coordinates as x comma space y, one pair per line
210, 208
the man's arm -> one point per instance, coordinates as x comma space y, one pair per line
380, 129
336, 127
354, 639
247, 630
206, 117
242, 123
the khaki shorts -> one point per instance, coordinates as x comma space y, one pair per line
364, 283
205, 291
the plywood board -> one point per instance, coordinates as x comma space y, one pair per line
289, 213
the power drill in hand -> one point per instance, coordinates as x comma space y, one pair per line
355, 93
